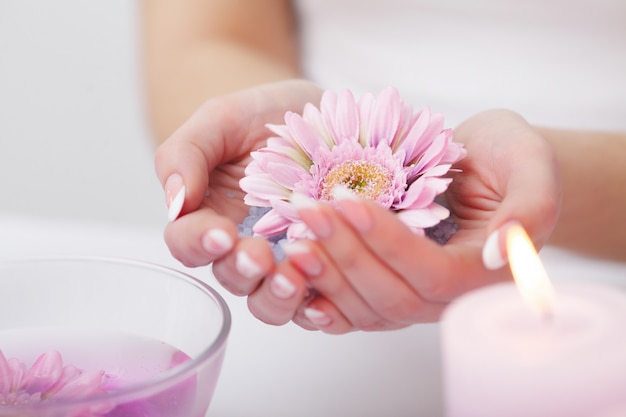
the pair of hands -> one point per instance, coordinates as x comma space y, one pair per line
365, 270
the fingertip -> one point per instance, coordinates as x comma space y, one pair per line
217, 242
175, 191
494, 254
491, 254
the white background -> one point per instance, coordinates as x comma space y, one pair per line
73, 138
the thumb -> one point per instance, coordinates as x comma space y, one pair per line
224, 129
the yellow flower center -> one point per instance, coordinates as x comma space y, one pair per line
366, 178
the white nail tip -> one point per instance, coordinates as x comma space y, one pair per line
282, 287
176, 205
246, 266
492, 257
343, 193
301, 201
294, 248
317, 317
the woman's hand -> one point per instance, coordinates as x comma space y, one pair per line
370, 272
200, 166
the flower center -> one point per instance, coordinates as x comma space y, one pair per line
366, 178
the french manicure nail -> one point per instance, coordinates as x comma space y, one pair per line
492, 255
301, 202
174, 196
352, 209
246, 266
315, 219
317, 317
340, 192
217, 242
303, 257
281, 287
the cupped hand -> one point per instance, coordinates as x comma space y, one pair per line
370, 272
200, 166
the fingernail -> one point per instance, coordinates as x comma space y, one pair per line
246, 266
352, 209
317, 317
492, 255
301, 202
217, 242
281, 287
174, 196
303, 258
315, 219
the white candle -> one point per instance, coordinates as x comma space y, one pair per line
501, 359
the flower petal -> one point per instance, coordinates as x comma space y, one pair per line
44, 373
285, 170
271, 224
81, 384
5, 375
415, 141
346, 120
263, 186
420, 219
305, 136
385, 117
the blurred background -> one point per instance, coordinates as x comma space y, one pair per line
74, 140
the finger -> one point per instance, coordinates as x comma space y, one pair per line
200, 237
384, 290
278, 297
330, 283
242, 270
437, 273
319, 313
221, 130
522, 172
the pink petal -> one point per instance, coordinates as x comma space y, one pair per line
433, 154
19, 372
421, 218
328, 109
366, 105
385, 117
83, 385
405, 124
286, 175
46, 371
418, 195
415, 142
271, 224
313, 116
69, 373
281, 167
263, 186
5, 375
302, 132
346, 121
454, 153
282, 131
253, 201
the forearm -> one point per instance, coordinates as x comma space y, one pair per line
593, 174
197, 49
179, 86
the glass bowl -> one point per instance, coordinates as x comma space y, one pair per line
87, 337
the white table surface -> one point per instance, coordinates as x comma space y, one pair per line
286, 371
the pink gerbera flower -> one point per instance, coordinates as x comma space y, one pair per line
377, 147
48, 379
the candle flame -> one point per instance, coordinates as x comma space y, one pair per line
530, 276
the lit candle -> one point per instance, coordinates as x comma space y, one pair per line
565, 359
